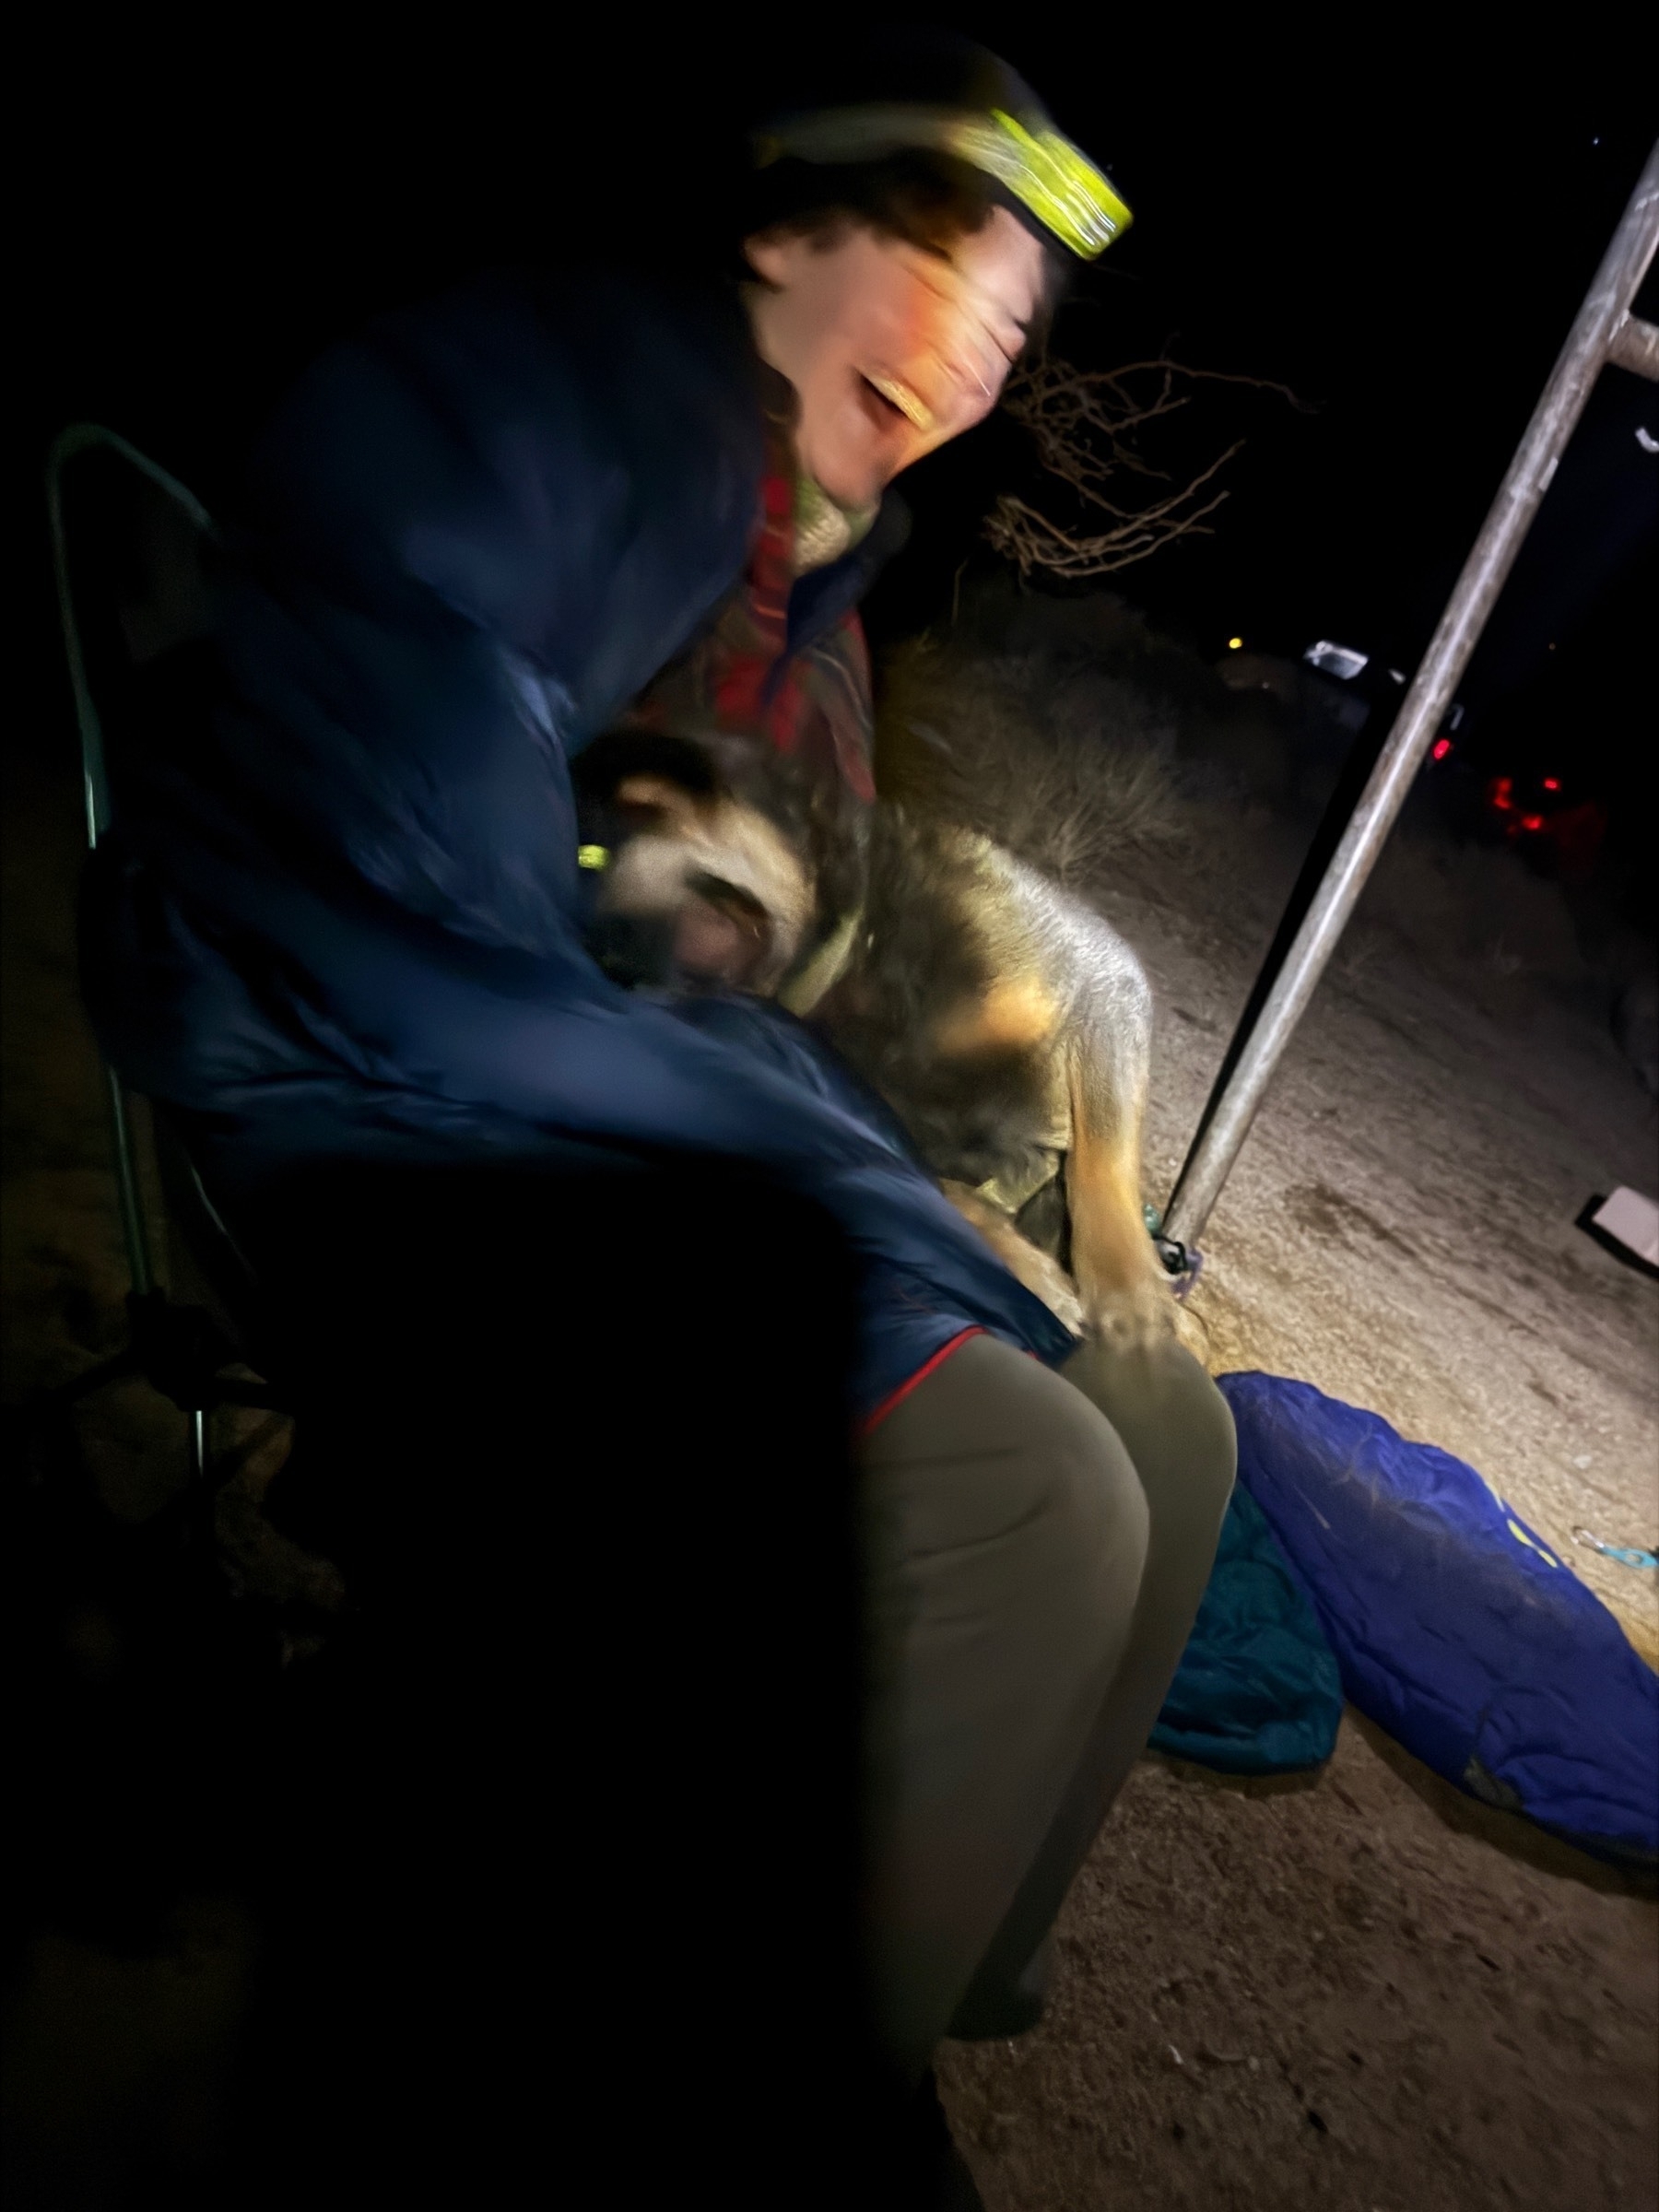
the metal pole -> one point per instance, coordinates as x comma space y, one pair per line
1603, 323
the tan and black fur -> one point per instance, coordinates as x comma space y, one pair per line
1010, 1027
1006, 1024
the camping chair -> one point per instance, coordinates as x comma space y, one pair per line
130, 592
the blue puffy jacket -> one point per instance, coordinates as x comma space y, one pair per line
343, 921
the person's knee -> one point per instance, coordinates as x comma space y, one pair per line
1092, 1504
1083, 1492
1205, 1421
1170, 1415
998, 1481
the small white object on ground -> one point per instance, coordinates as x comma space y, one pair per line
1634, 1220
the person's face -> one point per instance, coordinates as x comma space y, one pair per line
893, 348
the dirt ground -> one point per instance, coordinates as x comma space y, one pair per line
1399, 1229
1368, 1992
1358, 1990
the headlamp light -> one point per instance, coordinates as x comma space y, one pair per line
1043, 170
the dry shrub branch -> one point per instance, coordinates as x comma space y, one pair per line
1086, 426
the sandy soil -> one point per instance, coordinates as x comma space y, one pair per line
1350, 1996
1382, 1995
1399, 1228
1357, 1991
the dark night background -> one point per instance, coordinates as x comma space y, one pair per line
1396, 236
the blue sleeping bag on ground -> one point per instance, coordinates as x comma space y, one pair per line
1456, 1627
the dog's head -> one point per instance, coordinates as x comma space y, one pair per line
705, 885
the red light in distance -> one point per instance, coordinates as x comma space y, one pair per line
1441, 747
1552, 783
1531, 821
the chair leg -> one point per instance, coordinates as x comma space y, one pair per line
201, 1517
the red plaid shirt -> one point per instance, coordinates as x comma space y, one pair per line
813, 705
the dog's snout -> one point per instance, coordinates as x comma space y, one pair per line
723, 935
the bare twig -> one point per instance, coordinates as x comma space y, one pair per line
1084, 424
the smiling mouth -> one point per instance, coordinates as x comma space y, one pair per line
899, 399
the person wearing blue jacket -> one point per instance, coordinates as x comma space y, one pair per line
349, 922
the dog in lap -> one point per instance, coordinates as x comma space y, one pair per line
1003, 1021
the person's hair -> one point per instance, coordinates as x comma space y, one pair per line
926, 199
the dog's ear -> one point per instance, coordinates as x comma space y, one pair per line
659, 802
599, 771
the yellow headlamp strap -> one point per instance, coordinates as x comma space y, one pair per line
1043, 170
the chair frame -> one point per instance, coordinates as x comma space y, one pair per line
180, 1349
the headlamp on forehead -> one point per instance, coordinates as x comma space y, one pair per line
1044, 171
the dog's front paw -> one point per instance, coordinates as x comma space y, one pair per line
1048, 1281
1043, 1276
1131, 1318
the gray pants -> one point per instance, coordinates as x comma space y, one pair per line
1038, 1544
